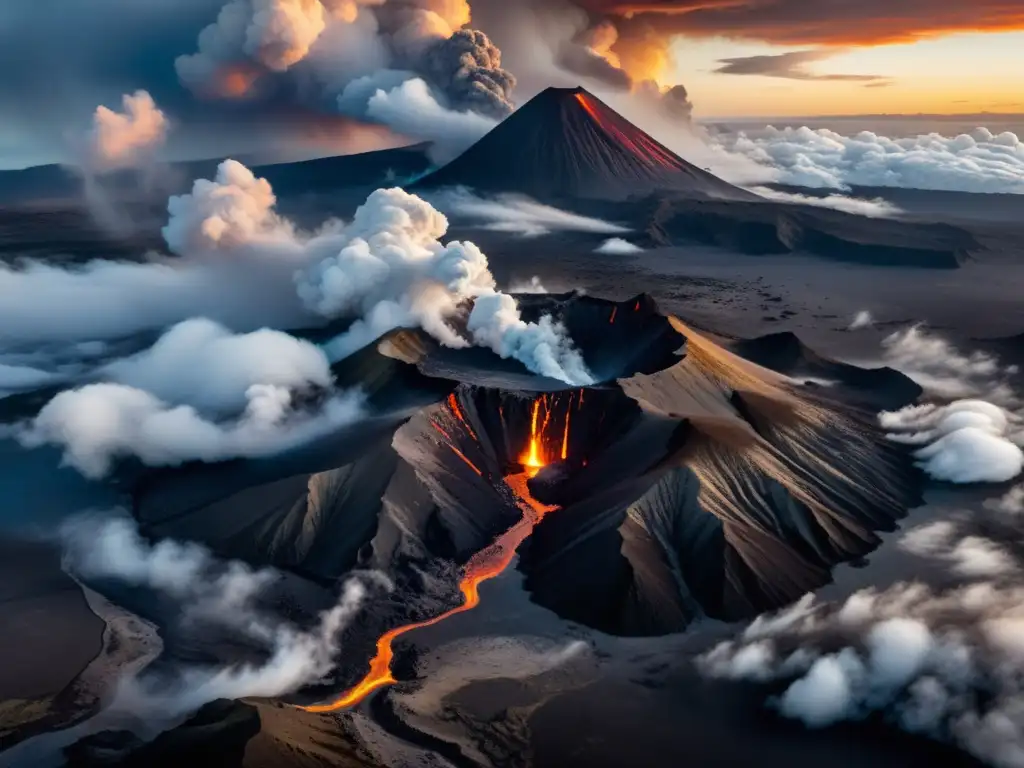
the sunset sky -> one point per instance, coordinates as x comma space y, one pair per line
824, 57
972, 72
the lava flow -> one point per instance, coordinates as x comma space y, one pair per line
484, 565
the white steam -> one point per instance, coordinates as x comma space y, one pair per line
209, 593
861, 320
977, 437
938, 663
518, 214
876, 208
125, 139
100, 423
616, 246
979, 162
413, 111
199, 393
202, 364
392, 270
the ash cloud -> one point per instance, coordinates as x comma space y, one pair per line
930, 661
373, 59
209, 593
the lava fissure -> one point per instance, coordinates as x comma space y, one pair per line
484, 565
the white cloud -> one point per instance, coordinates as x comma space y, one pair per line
235, 209
980, 162
935, 662
616, 246
202, 364
100, 423
518, 214
938, 366
125, 139
862, 319
209, 592
412, 110
967, 441
875, 208
977, 437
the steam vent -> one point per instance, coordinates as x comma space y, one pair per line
689, 482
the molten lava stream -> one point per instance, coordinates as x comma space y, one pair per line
484, 565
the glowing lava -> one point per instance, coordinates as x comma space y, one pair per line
533, 458
484, 565
646, 149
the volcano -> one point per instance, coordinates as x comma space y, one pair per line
567, 143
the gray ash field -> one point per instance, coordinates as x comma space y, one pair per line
490, 565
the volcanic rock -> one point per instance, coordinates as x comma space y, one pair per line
567, 143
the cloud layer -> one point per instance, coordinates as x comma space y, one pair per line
979, 162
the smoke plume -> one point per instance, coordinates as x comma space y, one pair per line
404, 54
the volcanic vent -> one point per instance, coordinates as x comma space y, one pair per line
568, 143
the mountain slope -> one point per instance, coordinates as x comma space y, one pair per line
568, 143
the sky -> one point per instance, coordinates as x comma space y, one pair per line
952, 74
748, 59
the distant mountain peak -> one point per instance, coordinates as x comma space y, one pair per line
566, 142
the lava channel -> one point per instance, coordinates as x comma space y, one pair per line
484, 565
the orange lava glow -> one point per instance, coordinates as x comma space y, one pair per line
484, 565
465, 458
611, 319
637, 307
565, 434
646, 149
453, 406
535, 456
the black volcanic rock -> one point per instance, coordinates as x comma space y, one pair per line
765, 228
567, 143
882, 388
